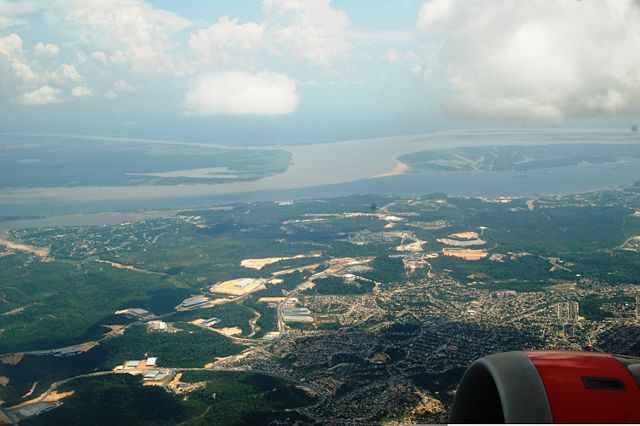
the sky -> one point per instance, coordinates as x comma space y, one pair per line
294, 71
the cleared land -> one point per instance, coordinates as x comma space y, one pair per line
229, 331
262, 262
465, 243
38, 251
272, 299
466, 254
12, 359
239, 286
414, 247
121, 266
465, 235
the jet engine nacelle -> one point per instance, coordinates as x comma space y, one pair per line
549, 387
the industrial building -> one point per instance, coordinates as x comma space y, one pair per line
156, 374
193, 302
37, 408
151, 375
68, 351
295, 311
211, 321
157, 325
131, 364
140, 313
297, 318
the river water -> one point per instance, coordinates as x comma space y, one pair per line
347, 167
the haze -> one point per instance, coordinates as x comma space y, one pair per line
286, 71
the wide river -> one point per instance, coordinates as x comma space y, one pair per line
347, 167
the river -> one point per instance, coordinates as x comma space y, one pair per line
345, 167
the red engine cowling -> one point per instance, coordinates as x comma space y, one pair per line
549, 387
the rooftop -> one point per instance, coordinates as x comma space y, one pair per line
194, 301
297, 318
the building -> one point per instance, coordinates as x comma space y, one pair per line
131, 364
295, 311
211, 321
350, 278
157, 325
151, 362
68, 351
140, 313
37, 408
194, 301
151, 375
297, 318
156, 374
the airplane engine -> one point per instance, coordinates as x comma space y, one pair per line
549, 387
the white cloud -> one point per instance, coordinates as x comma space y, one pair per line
41, 96
311, 29
28, 81
68, 71
123, 86
23, 71
81, 91
212, 43
237, 92
539, 60
10, 45
12, 22
13, 63
18, 8
100, 57
46, 50
392, 56
131, 32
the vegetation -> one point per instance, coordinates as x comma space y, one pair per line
268, 320
192, 346
229, 314
591, 306
245, 398
115, 400
521, 270
227, 399
130, 164
49, 304
339, 286
55, 304
518, 157
386, 269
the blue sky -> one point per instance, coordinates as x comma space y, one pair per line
299, 70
